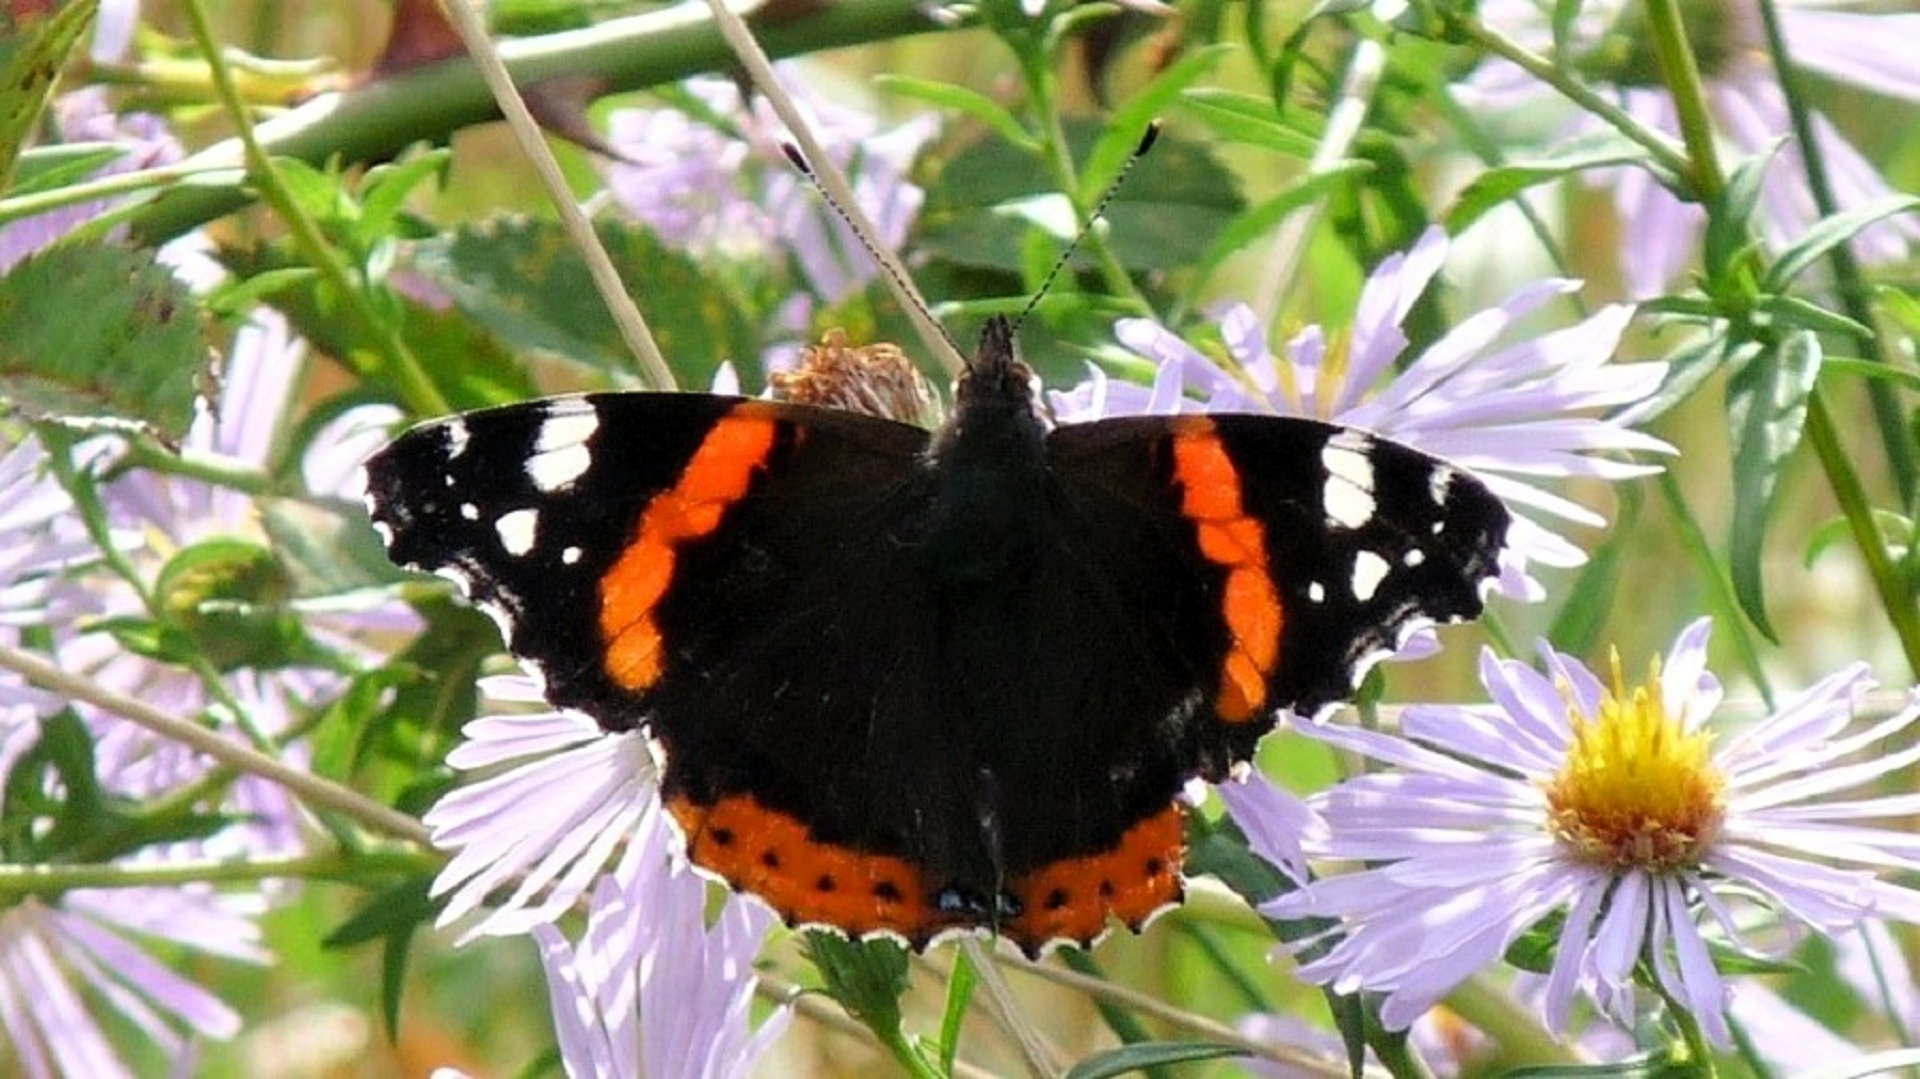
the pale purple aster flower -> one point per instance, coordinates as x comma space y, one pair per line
1867, 48
713, 193
650, 989
40, 539
54, 956
562, 798
1514, 414
84, 116
1616, 806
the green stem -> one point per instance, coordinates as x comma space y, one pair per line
312, 789
1689, 94
419, 392
1699, 1052
1895, 596
1726, 605
1522, 1039
20, 880
1665, 152
1059, 158
1887, 409
380, 118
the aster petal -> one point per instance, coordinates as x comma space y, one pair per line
1563, 978
1391, 290
1687, 688
57, 1021
1622, 934
1491, 735
1696, 981
1874, 51
1275, 822
1829, 899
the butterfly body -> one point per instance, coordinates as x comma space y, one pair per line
907, 683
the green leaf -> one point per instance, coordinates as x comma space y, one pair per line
32, 68
1789, 310
1829, 233
133, 358
383, 194
1258, 221
44, 168
946, 95
1873, 369
1144, 1055
524, 281
1248, 119
1691, 365
1174, 201
1604, 149
1896, 532
1650, 1066
865, 976
1730, 217
398, 909
960, 986
1767, 411
1124, 129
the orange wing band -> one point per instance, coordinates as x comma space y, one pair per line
1072, 899
716, 476
1237, 542
770, 854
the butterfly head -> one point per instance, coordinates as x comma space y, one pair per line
996, 378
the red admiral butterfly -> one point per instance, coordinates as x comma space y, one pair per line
910, 682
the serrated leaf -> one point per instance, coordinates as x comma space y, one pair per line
960, 99
1248, 119
1143, 1055
1767, 411
1829, 233
1118, 143
31, 70
134, 357
1497, 186
524, 281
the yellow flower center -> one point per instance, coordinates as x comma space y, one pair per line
1637, 790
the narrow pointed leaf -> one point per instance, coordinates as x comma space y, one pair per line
1132, 1058
1829, 233
1767, 410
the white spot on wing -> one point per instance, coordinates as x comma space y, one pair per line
560, 454
1317, 592
1414, 556
1349, 491
456, 429
469, 511
384, 531
1440, 484
1369, 570
570, 555
518, 530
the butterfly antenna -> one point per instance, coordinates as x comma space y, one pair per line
905, 292
1147, 139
